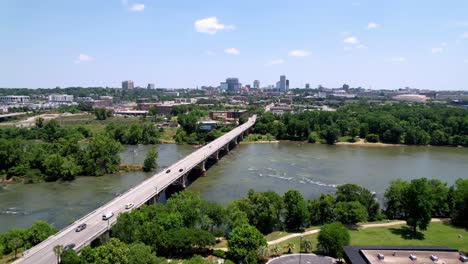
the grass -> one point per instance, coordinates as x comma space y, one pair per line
222, 244
438, 234
168, 135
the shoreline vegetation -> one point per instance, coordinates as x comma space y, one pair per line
275, 224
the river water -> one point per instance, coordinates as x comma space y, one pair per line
310, 168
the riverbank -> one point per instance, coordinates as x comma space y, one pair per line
362, 142
260, 142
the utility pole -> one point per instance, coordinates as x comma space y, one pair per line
300, 249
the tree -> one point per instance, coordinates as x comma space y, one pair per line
460, 197
394, 199
330, 134
373, 138
418, 204
58, 250
352, 192
140, 253
306, 246
332, 238
350, 212
244, 239
101, 156
70, 257
101, 113
150, 162
88, 254
58, 167
113, 252
295, 210
263, 210
321, 209
38, 232
251, 258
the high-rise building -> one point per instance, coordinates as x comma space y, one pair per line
127, 85
223, 86
307, 86
283, 84
256, 84
233, 84
151, 86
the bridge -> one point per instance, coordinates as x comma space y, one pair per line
146, 192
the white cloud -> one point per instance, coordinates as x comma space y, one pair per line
275, 62
347, 48
83, 57
232, 51
444, 44
209, 52
372, 25
299, 53
464, 35
351, 40
137, 7
360, 46
398, 59
437, 50
210, 25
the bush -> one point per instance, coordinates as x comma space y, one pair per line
372, 138
219, 253
313, 137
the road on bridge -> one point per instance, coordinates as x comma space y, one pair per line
138, 195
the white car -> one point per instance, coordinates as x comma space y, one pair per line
107, 215
129, 205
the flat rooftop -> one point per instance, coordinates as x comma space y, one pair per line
401, 255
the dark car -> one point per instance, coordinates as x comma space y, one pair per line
181, 170
168, 171
80, 227
69, 246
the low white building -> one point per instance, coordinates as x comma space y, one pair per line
14, 99
60, 98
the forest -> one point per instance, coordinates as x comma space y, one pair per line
390, 123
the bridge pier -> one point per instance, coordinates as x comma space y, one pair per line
202, 168
215, 156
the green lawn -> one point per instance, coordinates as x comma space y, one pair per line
438, 234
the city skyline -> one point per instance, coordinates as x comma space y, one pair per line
181, 44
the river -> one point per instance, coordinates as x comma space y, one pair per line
310, 168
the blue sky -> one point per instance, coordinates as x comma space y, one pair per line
379, 44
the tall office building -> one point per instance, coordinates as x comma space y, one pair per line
127, 85
151, 86
307, 86
256, 84
283, 84
233, 84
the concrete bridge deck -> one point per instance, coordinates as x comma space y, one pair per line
145, 192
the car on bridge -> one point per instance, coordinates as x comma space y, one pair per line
69, 246
80, 227
107, 215
129, 205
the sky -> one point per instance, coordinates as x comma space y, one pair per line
377, 44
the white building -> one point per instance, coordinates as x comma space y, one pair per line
14, 99
60, 98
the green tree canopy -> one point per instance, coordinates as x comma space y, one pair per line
332, 238
245, 239
296, 212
